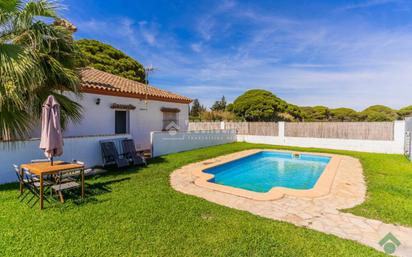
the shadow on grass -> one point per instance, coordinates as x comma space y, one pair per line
10, 186
98, 188
91, 191
102, 187
111, 171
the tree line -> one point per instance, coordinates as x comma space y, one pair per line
253, 105
263, 105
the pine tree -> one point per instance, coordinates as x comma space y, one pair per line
196, 109
219, 105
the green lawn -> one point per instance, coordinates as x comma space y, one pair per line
137, 213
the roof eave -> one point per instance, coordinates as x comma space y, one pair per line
133, 95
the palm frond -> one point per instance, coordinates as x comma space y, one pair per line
69, 110
37, 59
40, 8
17, 20
9, 5
14, 123
20, 72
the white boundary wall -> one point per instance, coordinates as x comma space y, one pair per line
173, 142
86, 149
377, 146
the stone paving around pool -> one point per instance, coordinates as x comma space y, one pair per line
321, 214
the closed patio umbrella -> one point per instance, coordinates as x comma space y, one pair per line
51, 140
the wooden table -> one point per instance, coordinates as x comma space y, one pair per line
45, 168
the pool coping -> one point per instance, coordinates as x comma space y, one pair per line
322, 187
322, 214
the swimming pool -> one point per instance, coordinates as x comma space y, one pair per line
264, 170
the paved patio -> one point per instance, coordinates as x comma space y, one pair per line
321, 214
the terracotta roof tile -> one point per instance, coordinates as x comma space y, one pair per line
95, 81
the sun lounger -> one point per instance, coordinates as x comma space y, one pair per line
111, 155
130, 152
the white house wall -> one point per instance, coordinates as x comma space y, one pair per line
85, 149
100, 119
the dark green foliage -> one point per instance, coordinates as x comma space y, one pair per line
317, 113
262, 105
219, 105
258, 105
229, 107
109, 59
405, 112
372, 113
344, 114
294, 111
196, 109
379, 113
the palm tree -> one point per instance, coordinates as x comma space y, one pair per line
38, 58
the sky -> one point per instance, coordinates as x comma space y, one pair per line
336, 53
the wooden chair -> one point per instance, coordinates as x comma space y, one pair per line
65, 181
31, 184
39, 160
49, 177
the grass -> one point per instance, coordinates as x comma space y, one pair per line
136, 213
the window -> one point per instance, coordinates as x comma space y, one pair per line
170, 118
121, 122
170, 121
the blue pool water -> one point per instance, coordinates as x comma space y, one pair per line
262, 171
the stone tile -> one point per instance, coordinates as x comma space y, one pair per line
321, 214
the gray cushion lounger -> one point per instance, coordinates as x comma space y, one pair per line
111, 155
131, 153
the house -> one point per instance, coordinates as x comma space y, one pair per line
112, 106
116, 105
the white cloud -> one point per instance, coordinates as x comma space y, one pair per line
207, 25
148, 31
91, 25
370, 3
196, 47
122, 27
307, 62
